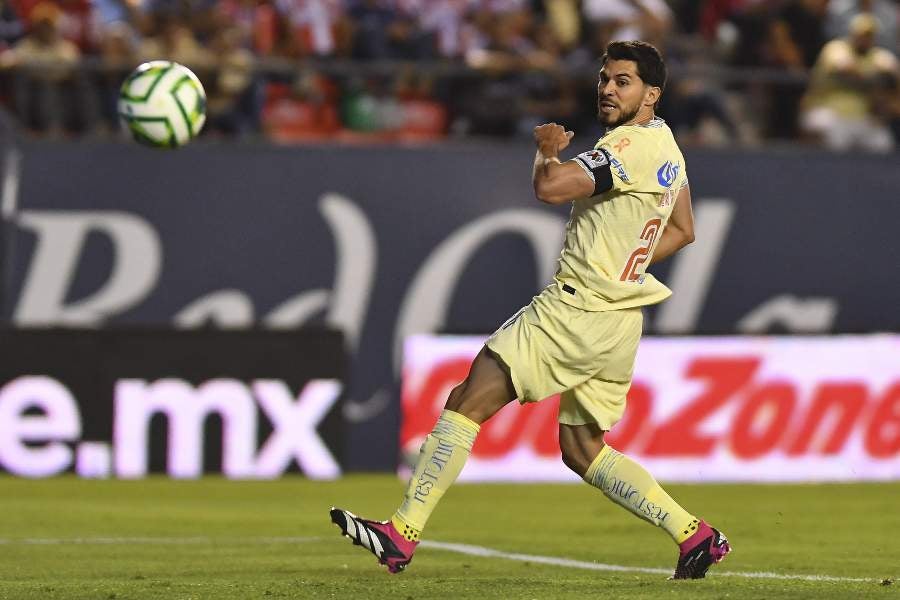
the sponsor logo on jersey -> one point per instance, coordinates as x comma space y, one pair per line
619, 168
667, 173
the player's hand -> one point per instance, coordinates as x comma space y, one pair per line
550, 138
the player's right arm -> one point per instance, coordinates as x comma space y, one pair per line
557, 182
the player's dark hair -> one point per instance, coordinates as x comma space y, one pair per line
650, 66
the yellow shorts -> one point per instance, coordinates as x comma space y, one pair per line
551, 347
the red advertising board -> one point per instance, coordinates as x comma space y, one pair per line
699, 409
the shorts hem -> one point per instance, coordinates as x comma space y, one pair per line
605, 425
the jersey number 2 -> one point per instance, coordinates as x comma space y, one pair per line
639, 256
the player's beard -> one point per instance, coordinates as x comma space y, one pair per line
626, 115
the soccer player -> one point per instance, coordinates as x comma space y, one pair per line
631, 206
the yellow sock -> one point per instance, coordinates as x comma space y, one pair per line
630, 485
441, 459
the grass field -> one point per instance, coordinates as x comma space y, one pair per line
69, 538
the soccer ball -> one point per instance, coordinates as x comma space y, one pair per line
162, 104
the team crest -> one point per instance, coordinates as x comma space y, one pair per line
593, 159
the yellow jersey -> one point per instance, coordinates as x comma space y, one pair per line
611, 236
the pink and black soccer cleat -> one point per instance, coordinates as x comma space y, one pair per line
378, 537
701, 551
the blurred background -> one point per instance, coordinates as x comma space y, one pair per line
298, 289
743, 72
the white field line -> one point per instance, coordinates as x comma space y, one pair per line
164, 541
593, 566
445, 546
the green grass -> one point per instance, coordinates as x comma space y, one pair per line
837, 530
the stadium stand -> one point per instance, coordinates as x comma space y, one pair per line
743, 72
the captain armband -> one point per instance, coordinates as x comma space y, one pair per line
596, 164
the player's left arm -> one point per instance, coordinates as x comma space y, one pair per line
679, 231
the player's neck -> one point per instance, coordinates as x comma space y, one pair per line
644, 116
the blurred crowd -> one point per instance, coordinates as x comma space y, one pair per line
741, 71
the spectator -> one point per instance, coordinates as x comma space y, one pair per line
118, 56
563, 21
853, 80
550, 95
695, 106
689, 13
384, 33
314, 27
78, 24
797, 34
795, 38
497, 102
892, 108
751, 20
76, 21
528, 61
11, 26
200, 16
175, 41
49, 93
234, 100
256, 20
647, 20
108, 12
445, 20
841, 12
508, 47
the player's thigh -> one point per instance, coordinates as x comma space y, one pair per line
486, 389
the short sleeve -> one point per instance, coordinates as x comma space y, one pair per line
682, 178
596, 164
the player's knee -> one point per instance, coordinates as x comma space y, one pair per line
454, 400
472, 401
580, 445
484, 392
574, 458
465, 400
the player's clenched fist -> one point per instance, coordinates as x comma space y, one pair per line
552, 137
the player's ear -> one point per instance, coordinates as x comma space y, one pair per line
651, 95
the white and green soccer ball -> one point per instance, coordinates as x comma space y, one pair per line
162, 104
